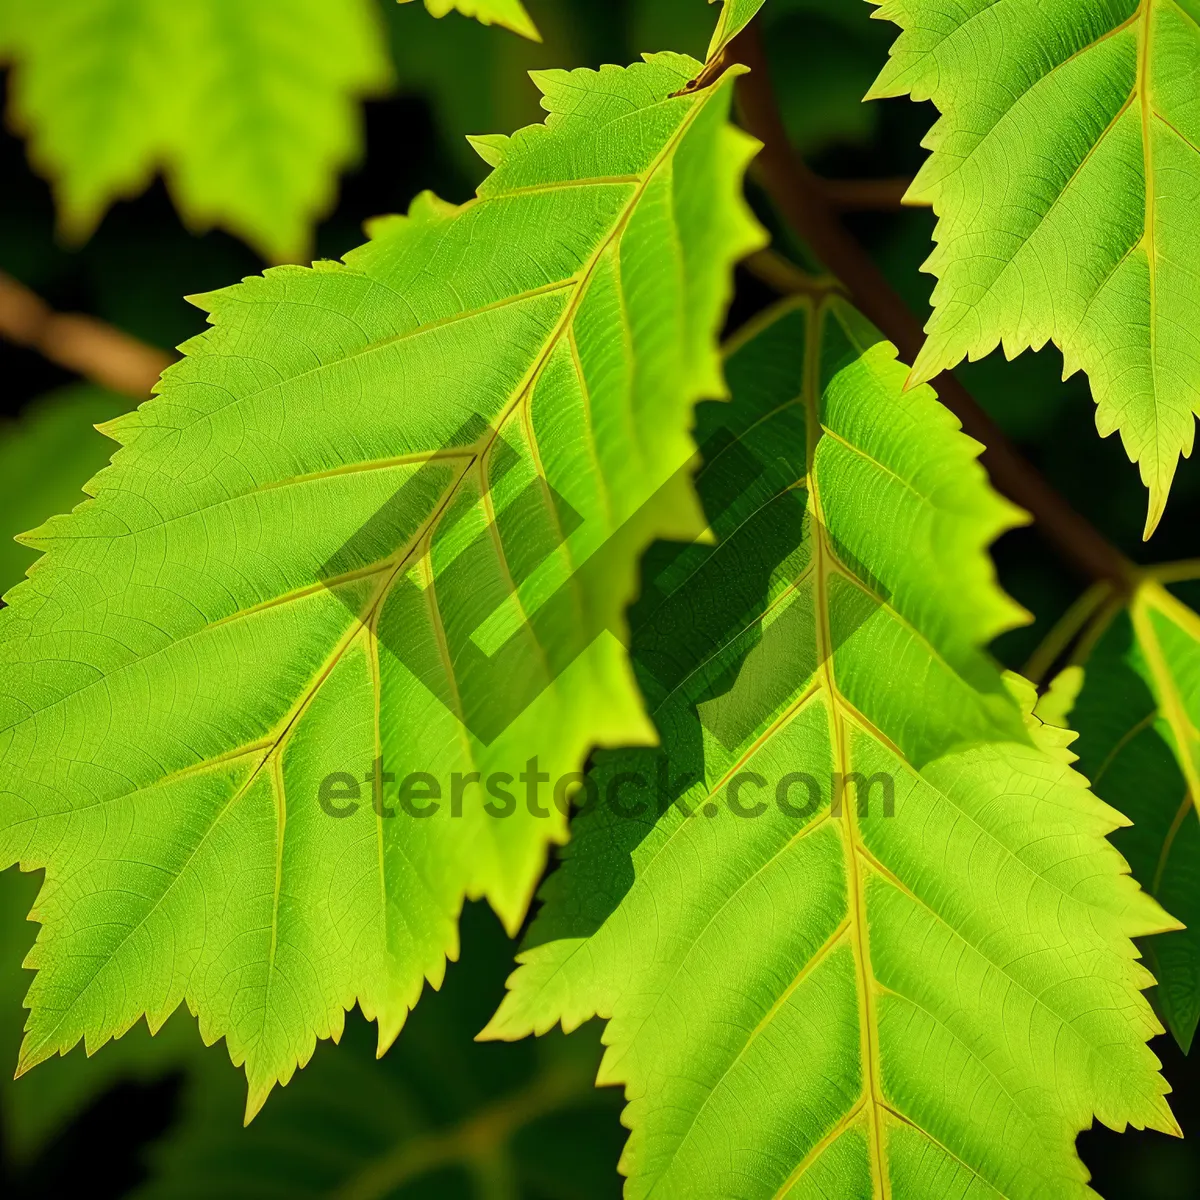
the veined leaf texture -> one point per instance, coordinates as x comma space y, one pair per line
920, 983
1065, 174
182, 671
854, 922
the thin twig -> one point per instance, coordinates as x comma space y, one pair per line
476, 1139
785, 277
82, 344
1072, 623
866, 195
804, 203
1176, 572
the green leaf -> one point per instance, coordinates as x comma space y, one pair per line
248, 109
45, 458
924, 998
1065, 174
509, 13
735, 16
185, 672
439, 1116
1138, 716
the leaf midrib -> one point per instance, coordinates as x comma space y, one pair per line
1142, 91
855, 881
858, 858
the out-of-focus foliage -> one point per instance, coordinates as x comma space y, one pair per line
248, 109
45, 459
257, 152
509, 13
823, 104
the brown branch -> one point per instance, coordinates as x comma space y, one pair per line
866, 195
81, 344
804, 203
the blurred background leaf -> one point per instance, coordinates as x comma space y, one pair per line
45, 458
248, 109
509, 13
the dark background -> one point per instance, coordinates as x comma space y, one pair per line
135, 269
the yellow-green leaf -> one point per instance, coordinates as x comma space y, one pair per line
735, 16
240, 638
249, 108
1065, 174
509, 13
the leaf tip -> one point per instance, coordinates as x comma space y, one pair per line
256, 1097
29, 1058
389, 1031
1155, 510
489, 147
924, 368
498, 1029
1168, 1123
1183, 1033
31, 540
518, 21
